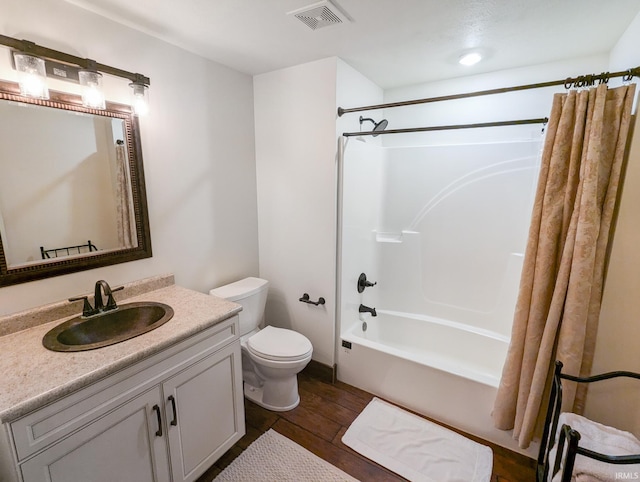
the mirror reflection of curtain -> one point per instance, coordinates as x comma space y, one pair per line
124, 204
3, 237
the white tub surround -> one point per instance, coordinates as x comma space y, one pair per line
463, 350
441, 228
148, 402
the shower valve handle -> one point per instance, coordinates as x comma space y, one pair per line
363, 283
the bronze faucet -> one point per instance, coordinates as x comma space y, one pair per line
99, 306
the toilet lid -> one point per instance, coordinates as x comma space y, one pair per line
279, 344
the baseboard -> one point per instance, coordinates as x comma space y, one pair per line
321, 371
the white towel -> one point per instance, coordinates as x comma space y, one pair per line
599, 438
415, 448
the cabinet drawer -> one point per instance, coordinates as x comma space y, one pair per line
37, 430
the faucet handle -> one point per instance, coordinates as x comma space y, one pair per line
363, 283
111, 302
87, 309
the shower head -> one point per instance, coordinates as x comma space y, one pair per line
377, 126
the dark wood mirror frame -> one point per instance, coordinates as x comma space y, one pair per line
55, 267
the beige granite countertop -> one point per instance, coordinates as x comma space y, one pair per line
32, 376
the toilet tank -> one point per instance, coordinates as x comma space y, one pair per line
251, 293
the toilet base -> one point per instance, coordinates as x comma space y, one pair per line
256, 395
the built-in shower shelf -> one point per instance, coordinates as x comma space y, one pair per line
390, 237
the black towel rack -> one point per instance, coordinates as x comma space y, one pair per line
305, 299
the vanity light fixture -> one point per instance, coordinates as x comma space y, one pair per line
32, 76
139, 97
91, 82
35, 63
470, 58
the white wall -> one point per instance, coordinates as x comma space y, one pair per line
296, 162
625, 54
296, 172
198, 152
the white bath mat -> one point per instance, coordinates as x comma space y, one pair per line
415, 448
275, 458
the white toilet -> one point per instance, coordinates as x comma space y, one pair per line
271, 357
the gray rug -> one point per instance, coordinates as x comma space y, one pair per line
275, 458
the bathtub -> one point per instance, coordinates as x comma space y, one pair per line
445, 370
452, 347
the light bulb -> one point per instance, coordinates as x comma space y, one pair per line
139, 98
471, 58
32, 76
140, 106
92, 93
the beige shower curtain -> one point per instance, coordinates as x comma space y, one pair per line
561, 284
124, 204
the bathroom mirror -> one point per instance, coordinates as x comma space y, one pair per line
72, 192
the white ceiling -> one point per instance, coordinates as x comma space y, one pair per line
392, 42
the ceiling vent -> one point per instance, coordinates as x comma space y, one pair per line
320, 14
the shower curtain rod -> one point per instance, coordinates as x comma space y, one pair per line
542, 120
580, 81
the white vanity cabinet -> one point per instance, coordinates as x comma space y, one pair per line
122, 445
166, 418
202, 413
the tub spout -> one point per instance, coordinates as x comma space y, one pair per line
366, 309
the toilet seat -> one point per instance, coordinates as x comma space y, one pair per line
279, 344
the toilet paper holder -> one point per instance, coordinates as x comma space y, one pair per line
305, 299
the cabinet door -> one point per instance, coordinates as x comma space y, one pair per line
205, 412
127, 444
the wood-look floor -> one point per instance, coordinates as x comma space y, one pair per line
325, 412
